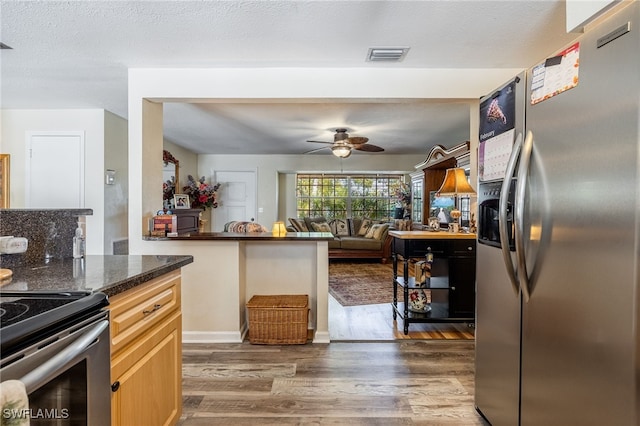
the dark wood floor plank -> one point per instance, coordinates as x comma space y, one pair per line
291, 405
239, 369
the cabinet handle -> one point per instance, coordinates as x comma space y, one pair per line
150, 311
115, 386
453, 288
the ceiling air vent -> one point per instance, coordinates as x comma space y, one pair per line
386, 54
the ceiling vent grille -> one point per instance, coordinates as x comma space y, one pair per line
386, 54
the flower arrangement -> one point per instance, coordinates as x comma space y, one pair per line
402, 195
202, 195
169, 189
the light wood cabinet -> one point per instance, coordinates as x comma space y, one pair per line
146, 353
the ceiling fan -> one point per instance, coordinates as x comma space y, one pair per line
343, 144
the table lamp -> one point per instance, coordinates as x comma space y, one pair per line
279, 230
455, 184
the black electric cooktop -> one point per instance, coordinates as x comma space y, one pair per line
26, 316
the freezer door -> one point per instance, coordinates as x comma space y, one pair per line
579, 337
497, 378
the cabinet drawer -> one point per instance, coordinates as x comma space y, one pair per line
418, 248
464, 247
135, 311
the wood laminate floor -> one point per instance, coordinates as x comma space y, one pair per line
375, 323
408, 382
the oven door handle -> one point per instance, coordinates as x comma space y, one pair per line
60, 362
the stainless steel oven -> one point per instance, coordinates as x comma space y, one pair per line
57, 344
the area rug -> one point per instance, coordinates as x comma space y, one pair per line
360, 283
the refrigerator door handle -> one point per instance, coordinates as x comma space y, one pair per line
502, 214
523, 171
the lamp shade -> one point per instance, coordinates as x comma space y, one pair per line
279, 230
455, 183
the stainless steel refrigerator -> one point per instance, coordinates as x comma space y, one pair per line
557, 341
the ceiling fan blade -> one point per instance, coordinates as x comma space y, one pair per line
330, 143
368, 148
316, 150
357, 140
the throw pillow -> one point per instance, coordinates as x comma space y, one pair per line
255, 227
321, 226
364, 227
310, 220
339, 227
240, 226
376, 231
298, 224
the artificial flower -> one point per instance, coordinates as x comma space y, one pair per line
202, 195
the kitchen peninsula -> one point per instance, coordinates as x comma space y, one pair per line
232, 267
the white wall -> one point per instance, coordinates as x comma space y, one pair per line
90, 121
116, 197
105, 141
270, 168
581, 12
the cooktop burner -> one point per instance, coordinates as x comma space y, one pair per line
24, 316
12, 312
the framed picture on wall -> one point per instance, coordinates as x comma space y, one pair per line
4, 181
181, 201
441, 207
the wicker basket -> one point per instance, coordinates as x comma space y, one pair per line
278, 320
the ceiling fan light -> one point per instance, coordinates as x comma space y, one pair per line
341, 151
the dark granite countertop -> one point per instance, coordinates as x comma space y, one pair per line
111, 274
247, 236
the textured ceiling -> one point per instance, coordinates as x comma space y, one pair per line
75, 54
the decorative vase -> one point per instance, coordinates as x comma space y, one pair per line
201, 224
418, 301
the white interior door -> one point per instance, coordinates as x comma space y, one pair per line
237, 196
55, 170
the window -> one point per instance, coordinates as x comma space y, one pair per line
342, 196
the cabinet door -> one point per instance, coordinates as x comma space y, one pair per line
146, 378
462, 282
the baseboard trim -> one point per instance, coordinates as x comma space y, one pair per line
322, 337
212, 337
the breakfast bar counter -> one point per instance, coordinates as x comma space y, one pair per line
248, 236
233, 267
